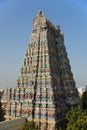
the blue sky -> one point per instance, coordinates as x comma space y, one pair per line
16, 18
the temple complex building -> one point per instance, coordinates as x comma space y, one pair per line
45, 88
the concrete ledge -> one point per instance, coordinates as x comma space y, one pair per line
14, 124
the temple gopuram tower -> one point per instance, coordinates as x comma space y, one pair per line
45, 89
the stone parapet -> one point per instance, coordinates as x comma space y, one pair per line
14, 124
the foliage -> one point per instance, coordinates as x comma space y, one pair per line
77, 119
84, 100
29, 126
1, 93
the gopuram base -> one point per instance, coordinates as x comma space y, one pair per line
40, 124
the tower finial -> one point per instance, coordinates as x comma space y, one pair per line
40, 14
58, 27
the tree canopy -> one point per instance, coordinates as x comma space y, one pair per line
29, 126
77, 119
1, 93
84, 100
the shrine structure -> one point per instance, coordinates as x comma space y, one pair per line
45, 89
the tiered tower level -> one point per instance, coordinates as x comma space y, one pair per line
45, 88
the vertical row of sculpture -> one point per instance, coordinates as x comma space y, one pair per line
46, 82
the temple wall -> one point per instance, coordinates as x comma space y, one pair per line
14, 124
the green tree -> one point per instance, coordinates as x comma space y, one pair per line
84, 100
29, 126
1, 93
77, 119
